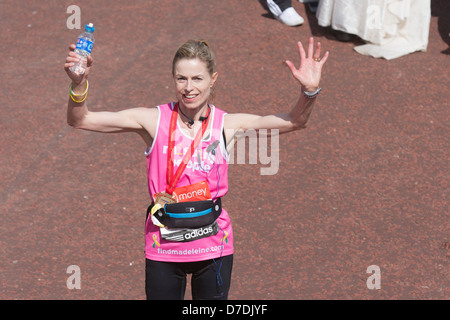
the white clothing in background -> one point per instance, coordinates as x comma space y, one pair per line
392, 28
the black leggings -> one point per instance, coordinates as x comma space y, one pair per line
167, 280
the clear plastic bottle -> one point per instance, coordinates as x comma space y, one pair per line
84, 47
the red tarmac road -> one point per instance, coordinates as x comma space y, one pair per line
367, 183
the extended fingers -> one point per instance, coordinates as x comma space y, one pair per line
310, 47
313, 53
301, 51
316, 56
324, 58
290, 65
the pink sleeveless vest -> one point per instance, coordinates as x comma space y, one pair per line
208, 163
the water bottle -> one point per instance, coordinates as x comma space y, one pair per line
84, 47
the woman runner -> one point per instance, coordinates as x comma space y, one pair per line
187, 230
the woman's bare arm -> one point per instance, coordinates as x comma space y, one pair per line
139, 120
308, 75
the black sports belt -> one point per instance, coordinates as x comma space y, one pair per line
192, 214
185, 235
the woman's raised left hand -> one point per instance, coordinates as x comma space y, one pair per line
310, 70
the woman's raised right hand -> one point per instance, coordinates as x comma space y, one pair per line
71, 59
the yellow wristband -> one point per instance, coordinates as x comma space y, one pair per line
73, 95
81, 94
78, 101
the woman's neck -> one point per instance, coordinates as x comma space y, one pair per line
187, 115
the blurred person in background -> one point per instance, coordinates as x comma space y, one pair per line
391, 28
283, 11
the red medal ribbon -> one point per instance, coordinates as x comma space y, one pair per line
173, 180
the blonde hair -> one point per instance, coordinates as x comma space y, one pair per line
193, 49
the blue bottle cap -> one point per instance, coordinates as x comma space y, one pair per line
89, 27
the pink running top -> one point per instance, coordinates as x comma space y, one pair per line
207, 164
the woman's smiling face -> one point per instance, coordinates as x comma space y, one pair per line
193, 83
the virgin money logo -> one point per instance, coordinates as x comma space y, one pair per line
191, 195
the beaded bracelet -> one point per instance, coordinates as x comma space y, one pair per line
73, 95
311, 95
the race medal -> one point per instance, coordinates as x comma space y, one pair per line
160, 199
163, 198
